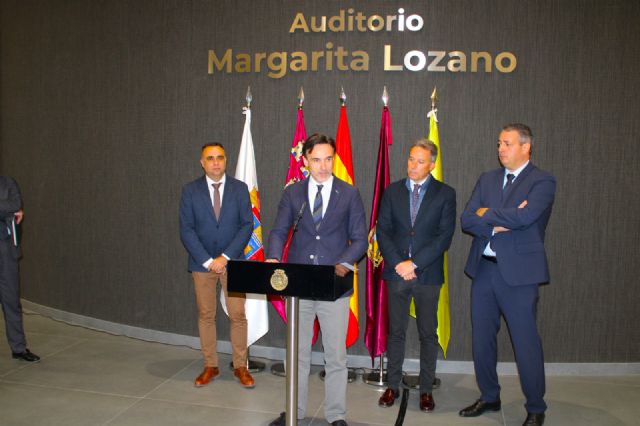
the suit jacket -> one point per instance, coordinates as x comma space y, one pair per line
10, 202
342, 236
429, 237
520, 252
205, 237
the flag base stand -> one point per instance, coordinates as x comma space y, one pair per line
253, 366
351, 375
374, 378
377, 377
412, 381
277, 369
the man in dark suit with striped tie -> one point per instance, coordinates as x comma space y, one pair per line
331, 231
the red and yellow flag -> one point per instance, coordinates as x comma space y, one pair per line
343, 169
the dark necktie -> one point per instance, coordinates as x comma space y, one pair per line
510, 178
216, 199
317, 208
508, 185
415, 199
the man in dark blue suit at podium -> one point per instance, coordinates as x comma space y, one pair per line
215, 225
331, 231
507, 215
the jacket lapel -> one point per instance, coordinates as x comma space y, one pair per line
205, 196
334, 199
514, 187
432, 191
228, 192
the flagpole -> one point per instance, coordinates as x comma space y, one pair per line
412, 380
379, 377
351, 372
253, 365
279, 368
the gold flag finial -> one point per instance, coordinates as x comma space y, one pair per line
434, 97
249, 97
300, 97
385, 96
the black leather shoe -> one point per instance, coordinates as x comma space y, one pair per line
280, 421
339, 423
27, 356
534, 419
388, 397
479, 407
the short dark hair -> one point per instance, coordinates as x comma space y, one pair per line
524, 131
211, 144
317, 139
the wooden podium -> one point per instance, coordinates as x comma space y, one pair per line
293, 281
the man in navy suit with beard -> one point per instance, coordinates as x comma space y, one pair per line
507, 216
331, 231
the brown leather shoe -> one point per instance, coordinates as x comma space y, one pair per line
244, 377
388, 398
208, 374
427, 403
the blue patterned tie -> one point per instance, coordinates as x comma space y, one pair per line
415, 199
317, 208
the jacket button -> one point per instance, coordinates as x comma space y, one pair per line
310, 256
317, 237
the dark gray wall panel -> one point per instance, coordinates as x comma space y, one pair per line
104, 105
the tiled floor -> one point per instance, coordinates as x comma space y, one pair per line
93, 378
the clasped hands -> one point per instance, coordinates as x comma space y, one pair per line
496, 229
407, 270
218, 265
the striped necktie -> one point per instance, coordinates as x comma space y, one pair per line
317, 208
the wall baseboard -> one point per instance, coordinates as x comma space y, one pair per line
354, 361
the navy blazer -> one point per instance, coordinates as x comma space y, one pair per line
342, 236
429, 237
520, 252
202, 235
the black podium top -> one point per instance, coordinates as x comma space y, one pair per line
316, 282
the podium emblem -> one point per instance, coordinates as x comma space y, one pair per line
279, 280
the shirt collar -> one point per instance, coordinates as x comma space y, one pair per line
211, 181
410, 183
517, 171
326, 183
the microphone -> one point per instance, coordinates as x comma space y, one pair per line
292, 230
300, 213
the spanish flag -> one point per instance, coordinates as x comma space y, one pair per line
343, 169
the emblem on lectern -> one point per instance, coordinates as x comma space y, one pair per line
279, 280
